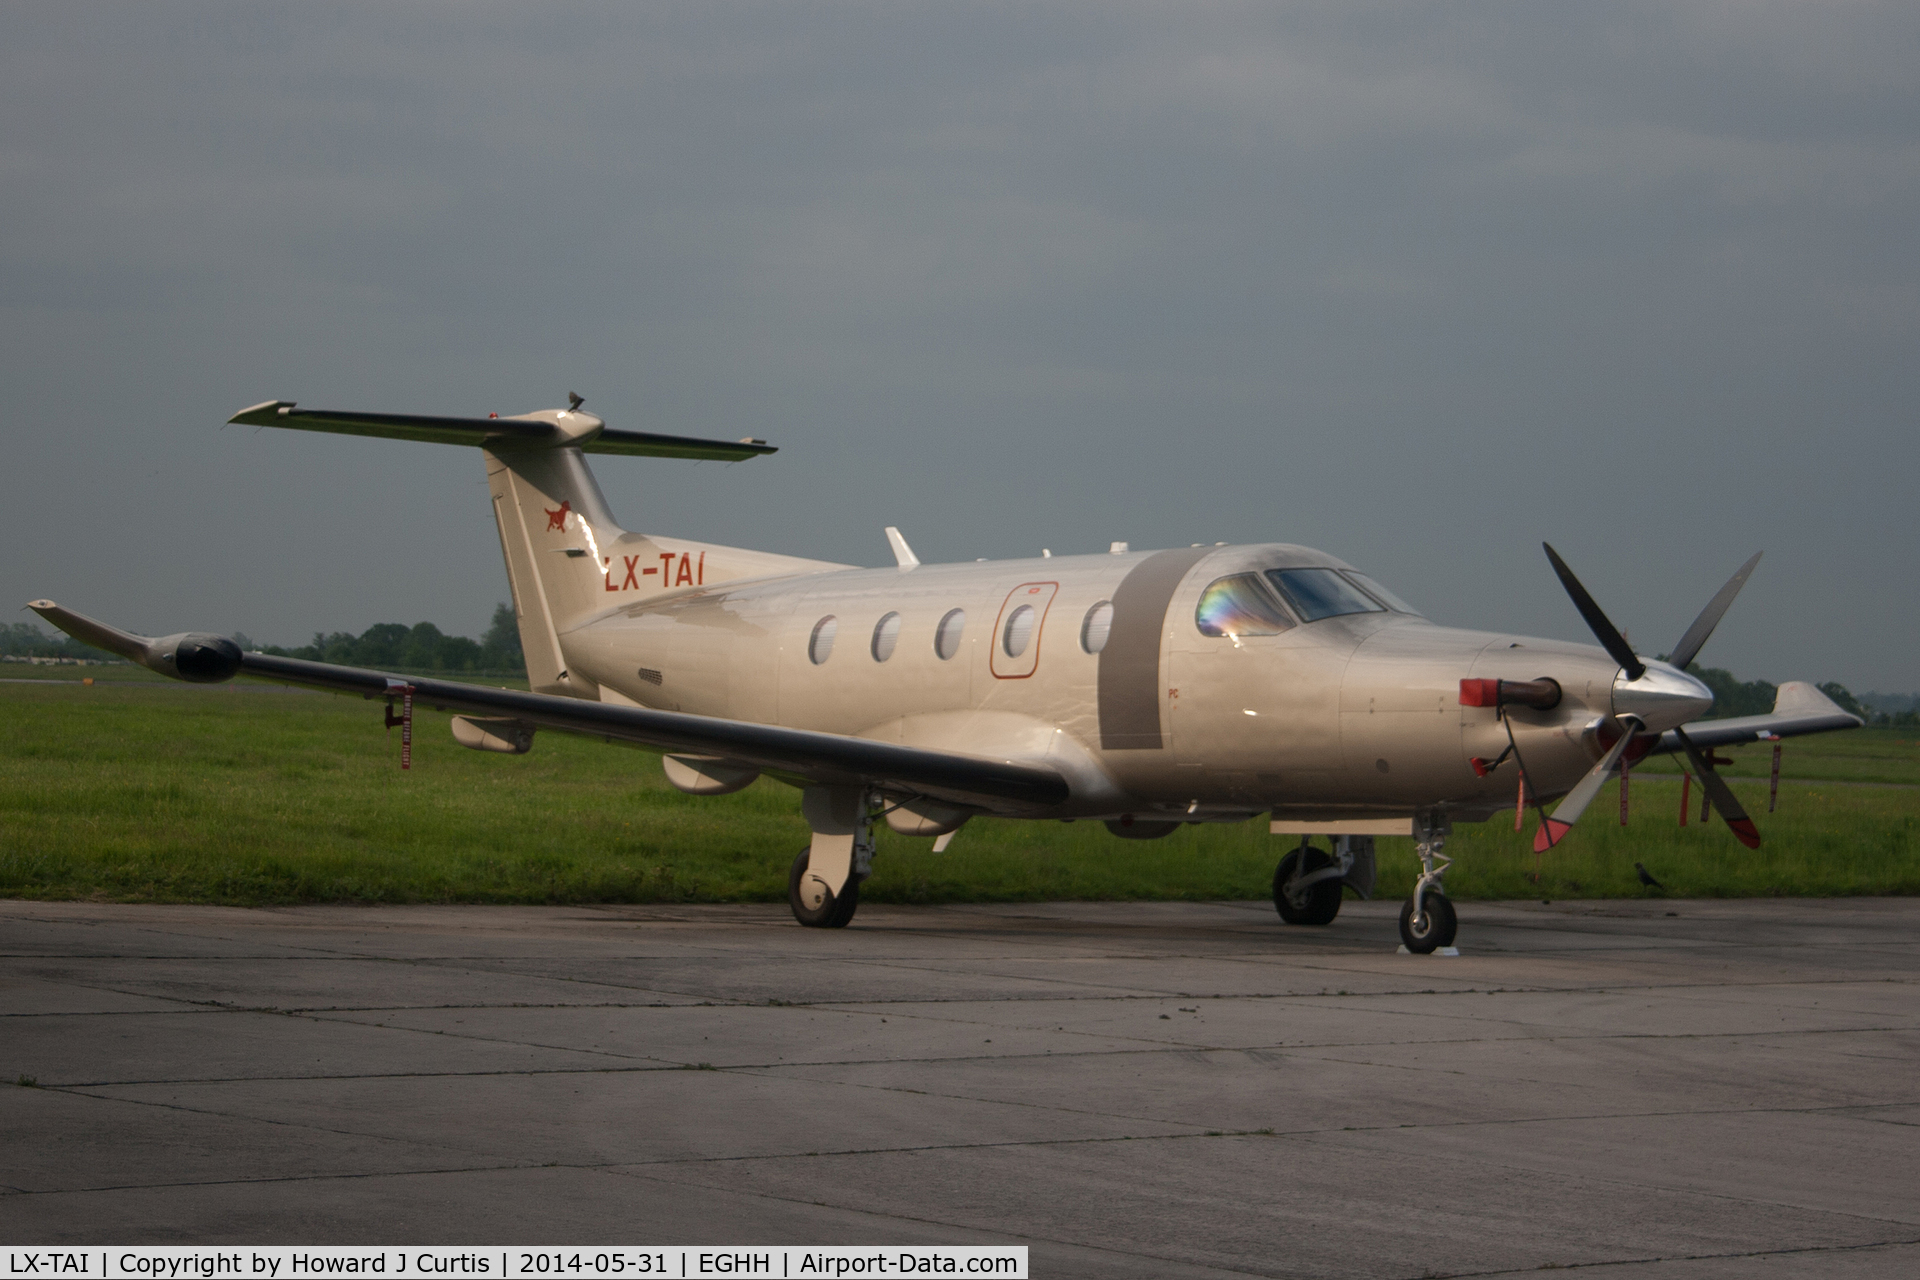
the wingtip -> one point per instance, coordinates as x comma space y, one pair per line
259, 414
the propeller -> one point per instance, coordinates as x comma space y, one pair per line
1597, 622
1569, 810
1690, 643
1554, 827
1721, 794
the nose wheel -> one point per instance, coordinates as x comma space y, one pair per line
1427, 921
1432, 927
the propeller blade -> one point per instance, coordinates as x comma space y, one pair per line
1691, 643
1720, 793
1554, 826
1603, 630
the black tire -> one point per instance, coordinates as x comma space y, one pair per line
1322, 900
1435, 930
835, 912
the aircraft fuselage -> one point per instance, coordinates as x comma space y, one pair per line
1111, 678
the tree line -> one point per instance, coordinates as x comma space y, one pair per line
421, 647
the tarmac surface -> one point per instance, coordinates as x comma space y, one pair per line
1640, 1089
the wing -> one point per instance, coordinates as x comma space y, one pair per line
1798, 708
486, 431
795, 755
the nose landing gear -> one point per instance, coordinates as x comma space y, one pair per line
1427, 921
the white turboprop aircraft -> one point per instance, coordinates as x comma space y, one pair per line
1143, 689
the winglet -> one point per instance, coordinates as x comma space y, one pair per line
1801, 698
901, 551
94, 632
264, 414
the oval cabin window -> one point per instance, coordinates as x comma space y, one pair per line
1093, 632
886, 634
1015, 636
946, 639
820, 647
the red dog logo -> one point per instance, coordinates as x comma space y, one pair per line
558, 519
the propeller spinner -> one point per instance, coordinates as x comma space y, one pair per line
1655, 697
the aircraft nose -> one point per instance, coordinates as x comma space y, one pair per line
1664, 698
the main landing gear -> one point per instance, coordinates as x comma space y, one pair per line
1308, 883
823, 888
1306, 886
815, 905
1427, 921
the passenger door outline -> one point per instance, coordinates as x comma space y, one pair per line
1003, 665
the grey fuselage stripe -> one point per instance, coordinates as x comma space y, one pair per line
1130, 664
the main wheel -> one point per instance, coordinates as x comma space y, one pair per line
1319, 903
826, 910
1433, 929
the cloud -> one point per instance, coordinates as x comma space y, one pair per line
1418, 285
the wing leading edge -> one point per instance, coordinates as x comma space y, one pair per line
797, 755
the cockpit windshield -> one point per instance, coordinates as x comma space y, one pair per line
1322, 593
1240, 606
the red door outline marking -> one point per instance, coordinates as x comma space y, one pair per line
1038, 594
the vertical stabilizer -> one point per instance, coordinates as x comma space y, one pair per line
553, 523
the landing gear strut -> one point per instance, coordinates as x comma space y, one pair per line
1427, 921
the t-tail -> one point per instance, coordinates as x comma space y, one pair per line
568, 560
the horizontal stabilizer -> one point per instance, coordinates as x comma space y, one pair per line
526, 430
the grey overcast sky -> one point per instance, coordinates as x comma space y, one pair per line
1422, 285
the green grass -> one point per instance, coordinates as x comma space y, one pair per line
115, 672
144, 790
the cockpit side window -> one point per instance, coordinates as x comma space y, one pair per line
1321, 593
1380, 593
1240, 606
